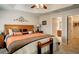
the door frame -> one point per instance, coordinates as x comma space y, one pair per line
67, 30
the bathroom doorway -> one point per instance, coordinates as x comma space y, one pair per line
57, 27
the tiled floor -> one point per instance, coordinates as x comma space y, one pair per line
3, 51
58, 51
61, 50
73, 46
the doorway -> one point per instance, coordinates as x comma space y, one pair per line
57, 27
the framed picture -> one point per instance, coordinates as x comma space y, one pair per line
44, 22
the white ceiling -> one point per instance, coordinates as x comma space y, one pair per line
26, 7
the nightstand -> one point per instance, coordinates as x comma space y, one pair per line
39, 31
1, 41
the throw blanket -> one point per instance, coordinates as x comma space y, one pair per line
16, 42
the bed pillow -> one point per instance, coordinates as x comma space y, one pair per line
10, 32
20, 30
25, 30
17, 33
30, 32
16, 30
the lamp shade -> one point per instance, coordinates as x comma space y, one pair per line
37, 25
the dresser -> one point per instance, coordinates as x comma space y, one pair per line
1, 41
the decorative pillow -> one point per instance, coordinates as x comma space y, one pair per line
10, 32
25, 33
25, 30
17, 33
16, 30
30, 32
20, 30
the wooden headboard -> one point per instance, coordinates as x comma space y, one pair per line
9, 26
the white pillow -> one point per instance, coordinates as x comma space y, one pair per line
10, 32
30, 32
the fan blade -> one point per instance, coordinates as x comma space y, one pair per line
44, 6
33, 6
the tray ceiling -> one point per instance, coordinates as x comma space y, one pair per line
27, 7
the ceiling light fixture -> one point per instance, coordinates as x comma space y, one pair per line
39, 6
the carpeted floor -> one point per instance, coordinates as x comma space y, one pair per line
3, 51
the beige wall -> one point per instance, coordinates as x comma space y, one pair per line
54, 26
7, 17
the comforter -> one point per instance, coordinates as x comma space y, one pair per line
14, 43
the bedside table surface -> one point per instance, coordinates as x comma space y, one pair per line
1, 41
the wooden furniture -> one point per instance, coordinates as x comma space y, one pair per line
41, 45
10, 26
59, 33
1, 41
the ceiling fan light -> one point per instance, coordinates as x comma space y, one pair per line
41, 5
37, 6
33, 6
44, 7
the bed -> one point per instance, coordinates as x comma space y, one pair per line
26, 43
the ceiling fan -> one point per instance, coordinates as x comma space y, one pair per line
39, 6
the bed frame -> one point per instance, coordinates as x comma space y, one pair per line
13, 26
41, 45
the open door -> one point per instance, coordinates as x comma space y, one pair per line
73, 28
